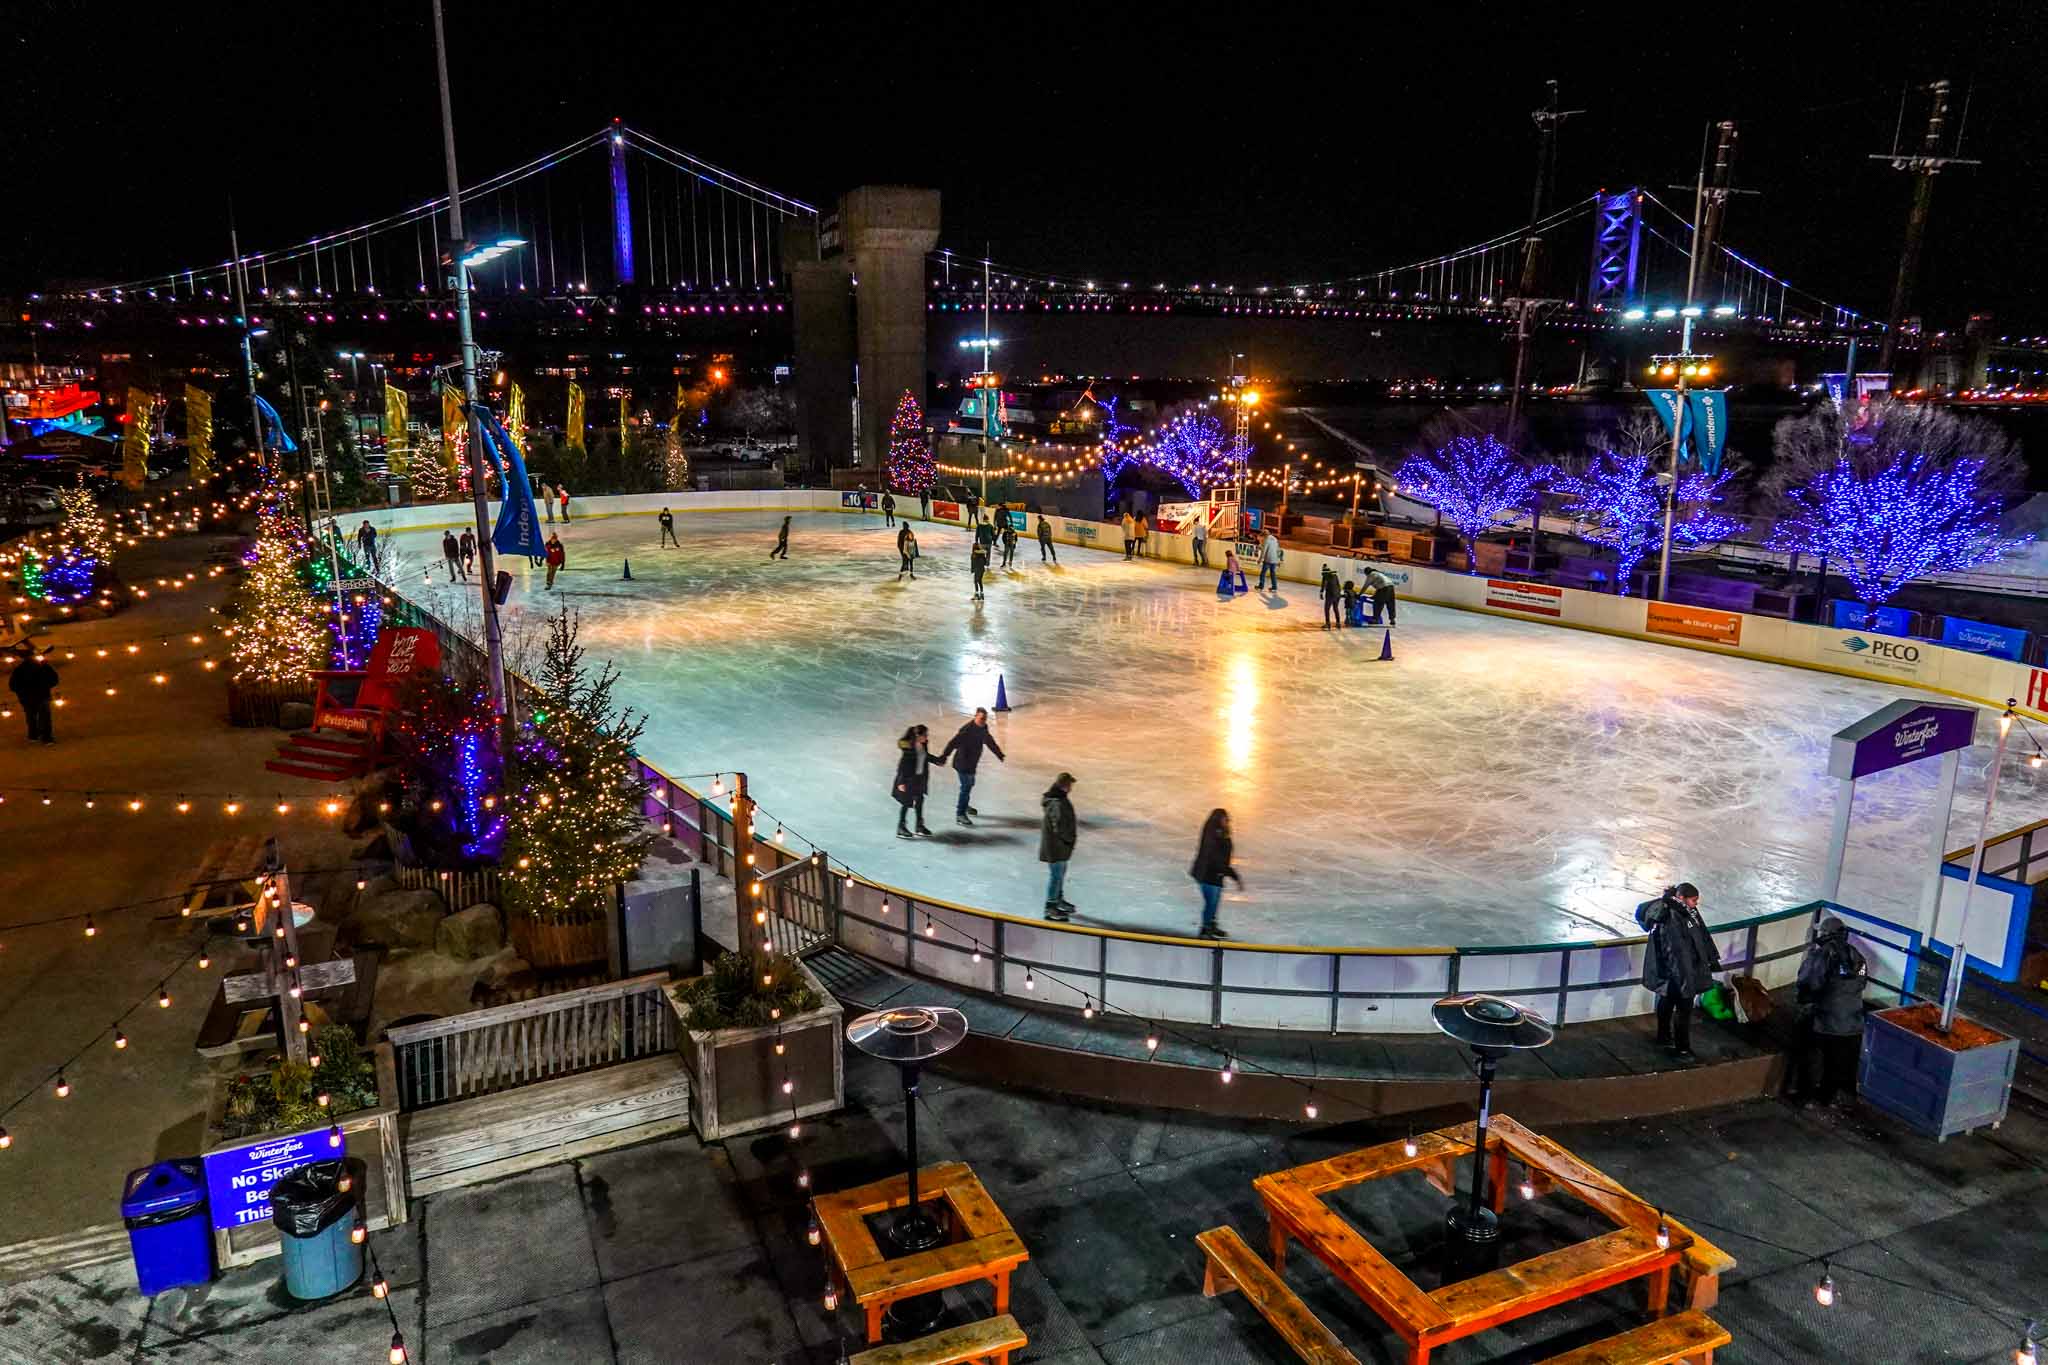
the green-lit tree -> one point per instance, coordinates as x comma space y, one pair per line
574, 827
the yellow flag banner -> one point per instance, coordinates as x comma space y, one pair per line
199, 432
622, 421
515, 417
397, 450
135, 440
572, 435
452, 427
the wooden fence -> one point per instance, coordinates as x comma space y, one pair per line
495, 1049
460, 889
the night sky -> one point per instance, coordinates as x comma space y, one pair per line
1259, 144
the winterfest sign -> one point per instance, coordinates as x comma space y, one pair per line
1901, 733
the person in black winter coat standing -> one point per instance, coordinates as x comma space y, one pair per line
1056, 834
964, 748
32, 682
1679, 962
1211, 866
1332, 594
1830, 1032
913, 777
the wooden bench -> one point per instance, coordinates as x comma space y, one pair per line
1688, 1337
528, 1126
1233, 1265
224, 880
988, 1342
1556, 1277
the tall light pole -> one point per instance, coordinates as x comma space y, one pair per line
1547, 118
493, 643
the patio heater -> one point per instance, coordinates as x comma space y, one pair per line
1490, 1026
910, 1037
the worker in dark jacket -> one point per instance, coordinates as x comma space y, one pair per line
913, 776
1056, 845
1679, 962
1211, 866
1830, 1030
32, 681
1332, 594
964, 748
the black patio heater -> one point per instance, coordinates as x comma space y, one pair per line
911, 1036
1490, 1026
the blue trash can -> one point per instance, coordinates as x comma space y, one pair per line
314, 1209
164, 1207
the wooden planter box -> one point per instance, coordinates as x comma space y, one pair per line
1936, 1083
736, 1078
558, 945
369, 1139
258, 704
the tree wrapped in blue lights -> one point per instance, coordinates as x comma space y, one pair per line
1192, 449
1618, 502
1888, 492
1476, 483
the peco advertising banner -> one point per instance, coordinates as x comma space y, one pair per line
1535, 598
1693, 623
1873, 653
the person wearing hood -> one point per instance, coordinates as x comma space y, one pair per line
964, 748
1830, 1031
1332, 593
1211, 866
1056, 846
1130, 525
1679, 962
906, 546
913, 776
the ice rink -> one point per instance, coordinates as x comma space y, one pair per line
1498, 782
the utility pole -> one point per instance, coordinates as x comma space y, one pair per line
493, 643
1928, 164
248, 333
1547, 118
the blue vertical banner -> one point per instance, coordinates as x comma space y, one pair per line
1708, 409
274, 436
518, 529
1669, 411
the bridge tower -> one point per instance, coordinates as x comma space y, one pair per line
857, 286
1617, 249
622, 211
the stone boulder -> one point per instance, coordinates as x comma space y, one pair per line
294, 715
397, 919
377, 886
471, 934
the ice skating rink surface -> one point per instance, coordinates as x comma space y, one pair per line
1499, 782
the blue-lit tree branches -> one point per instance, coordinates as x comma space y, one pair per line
1914, 517
1477, 483
1191, 448
1618, 502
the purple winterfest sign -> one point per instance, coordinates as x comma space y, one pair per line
1903, 732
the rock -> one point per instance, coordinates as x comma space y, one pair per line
397, 919
294, 715
377, 850
505, 965
362, 815
377, 886
470, 934
420, 984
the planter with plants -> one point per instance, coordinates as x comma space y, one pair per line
572, 827
742, 1041
259, 1124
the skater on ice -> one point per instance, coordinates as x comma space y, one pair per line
1200, 535
1056, 846
906, 546
964, 748
468, 551
562, 494
1130, 534
977, 560
781, 550
1381, 589
668, 529
547, 500
1270, 555
924, 503
1144, 532
1678, 963
1045, 549
888, 509
1009, 542
913, 776
1354, 614
1231, 583
1332, 592
366, 541
1211, 866
451, 552
556, 557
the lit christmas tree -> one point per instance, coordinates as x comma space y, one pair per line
1619, 502
429, 478
675, 458
575, 828
911, 469
1478, 484
281, 632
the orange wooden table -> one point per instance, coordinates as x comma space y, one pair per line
1427, 1319
983, 1245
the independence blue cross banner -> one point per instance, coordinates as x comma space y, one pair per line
1708, 409
518, 529
276, 437
1669, 410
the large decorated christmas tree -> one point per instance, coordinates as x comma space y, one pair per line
574, 826
911, 469
281, 632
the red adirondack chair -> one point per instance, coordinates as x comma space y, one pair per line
351, 711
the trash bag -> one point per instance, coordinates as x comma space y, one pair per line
1715, 1002
309, 1199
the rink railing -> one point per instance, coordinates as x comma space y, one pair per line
1187, 980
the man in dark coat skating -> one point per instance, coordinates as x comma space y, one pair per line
964, 748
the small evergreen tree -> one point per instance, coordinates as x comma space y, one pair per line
281, 634
911, 469
574, 828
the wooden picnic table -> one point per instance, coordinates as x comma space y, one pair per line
983, 1246
1295, 1210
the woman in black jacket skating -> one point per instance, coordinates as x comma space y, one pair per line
1211, 866
1679, 962
913, 775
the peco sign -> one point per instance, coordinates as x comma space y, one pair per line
1877, 653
